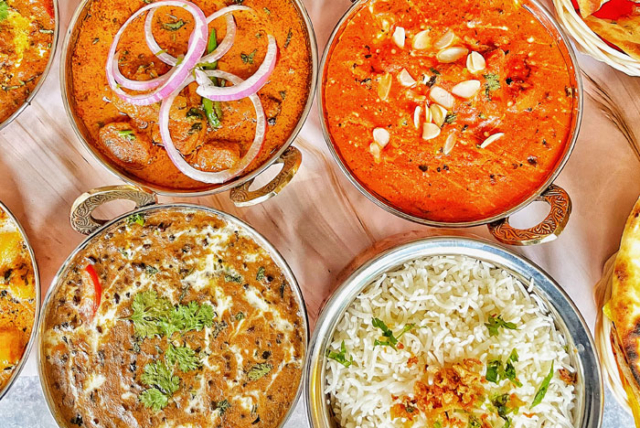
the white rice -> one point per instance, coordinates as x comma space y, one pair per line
449, 299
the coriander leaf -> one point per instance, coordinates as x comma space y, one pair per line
4, 10
151, 270
185, 357
289, 37
259, 371
154, 399
148, 310
544, 386
514, 355
260, 274
341, 356
187, 318
500, 403
492, 84
495, 322
240, 316
228, 277
474, 422
248, 58
135, 219
510, 373
407, 328
173, 26
160, 376
386, 332
437, 425
127, 134
434, 71
450, 118
493, 371
218, 327
223, 406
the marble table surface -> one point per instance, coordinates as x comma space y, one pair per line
321, 222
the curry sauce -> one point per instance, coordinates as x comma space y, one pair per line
129, 135
27, 28
506, 123
17, 297
187, 322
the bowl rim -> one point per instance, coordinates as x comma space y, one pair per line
560, 306
544, 16
45, 73
66, 81
36, 318
56, 283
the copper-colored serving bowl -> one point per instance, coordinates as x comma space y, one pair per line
84, 222
45, 73
548, 192
36, 284
287, 155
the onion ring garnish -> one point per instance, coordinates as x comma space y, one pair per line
176, 156
248, 87
197, 46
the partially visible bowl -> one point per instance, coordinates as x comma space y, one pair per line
568, 320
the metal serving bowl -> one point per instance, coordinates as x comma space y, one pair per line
36, 284
288, 155
45, 73
83, 222
548, 192
589, 388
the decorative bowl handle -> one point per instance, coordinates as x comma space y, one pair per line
550, 228
82, 219
243, 197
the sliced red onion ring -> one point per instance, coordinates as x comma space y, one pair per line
248, 87
197, 46
226, 43
176, 156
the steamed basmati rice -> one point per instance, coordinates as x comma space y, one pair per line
449, 299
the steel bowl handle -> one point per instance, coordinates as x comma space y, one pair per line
243, 197
82, 219
550, 228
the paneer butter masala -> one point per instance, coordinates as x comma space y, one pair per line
448, 111
152, 85
27, 29
17, 297
169, 318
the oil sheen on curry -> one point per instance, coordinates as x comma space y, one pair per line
173, 318
448, 111
17, 297
27, 28
130, 135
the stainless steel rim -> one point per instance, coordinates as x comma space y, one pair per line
562, 39
36, 283
45, 73
566, 314
67, 50
254, 234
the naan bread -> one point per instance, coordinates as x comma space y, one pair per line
624, 306
624, 32
589, 7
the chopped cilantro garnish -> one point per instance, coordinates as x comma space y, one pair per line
260, 274
159, 375
4, 10
239, 316
154, 399
341, 356
127, 134
392, 340
248, 58
173, 26
451, 118
492, 84
185, 357
233, 278
135, 219
259, 371
495, 322
223, 406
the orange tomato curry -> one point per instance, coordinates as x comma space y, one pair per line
129, 136
27, 29
17, 297
482, 147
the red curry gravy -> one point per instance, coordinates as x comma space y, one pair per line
27, 28
193, 324
525, 105
129, 135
